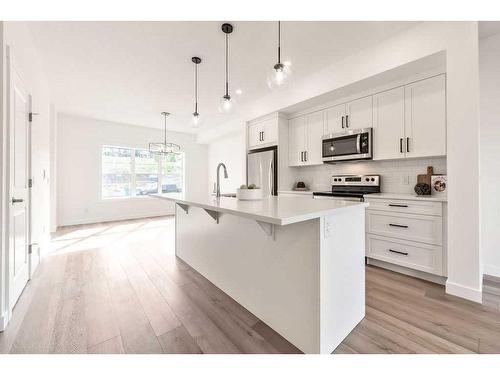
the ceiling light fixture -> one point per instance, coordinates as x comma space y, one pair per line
227, 102
196, 115
164, 148
281, 71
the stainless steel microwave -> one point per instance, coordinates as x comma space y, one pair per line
351, 145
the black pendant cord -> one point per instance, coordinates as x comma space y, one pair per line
279, 42
227, 75
196, 88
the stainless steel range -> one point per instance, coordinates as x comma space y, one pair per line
350, 187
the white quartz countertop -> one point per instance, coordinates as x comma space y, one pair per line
281, 210
413, 197
298, 192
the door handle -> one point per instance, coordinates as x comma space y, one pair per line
342, 122
346, 121
17, 200
305, 155
398, 225
401, 145
302, 156
397, 205
407, 144
398, 252
262, 136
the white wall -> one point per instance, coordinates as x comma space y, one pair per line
489, 72
229, 149
17, 36
459, 40
78, 163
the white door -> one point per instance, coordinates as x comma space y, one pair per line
19, 143
314, 137
296, 141
335, 120
389, 124
426, 118
359, 113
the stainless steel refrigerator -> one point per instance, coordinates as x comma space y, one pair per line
262, 169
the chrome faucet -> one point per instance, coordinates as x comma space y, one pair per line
217, 194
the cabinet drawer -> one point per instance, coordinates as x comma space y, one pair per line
406, 206
420, 228
422, 257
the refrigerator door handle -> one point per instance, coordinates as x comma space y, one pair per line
271, 178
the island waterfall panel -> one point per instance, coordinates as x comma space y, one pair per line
305, 280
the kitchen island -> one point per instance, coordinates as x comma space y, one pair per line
297, 264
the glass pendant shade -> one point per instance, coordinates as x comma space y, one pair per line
196, 120
226, 104
279, 76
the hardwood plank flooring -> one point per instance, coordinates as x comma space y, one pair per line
118, 288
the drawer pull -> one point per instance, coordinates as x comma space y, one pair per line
398, 225
398, 205
398, 252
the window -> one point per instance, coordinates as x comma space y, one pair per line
128, 172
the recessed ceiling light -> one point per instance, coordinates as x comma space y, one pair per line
239, 91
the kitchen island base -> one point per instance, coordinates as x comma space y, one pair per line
306, 280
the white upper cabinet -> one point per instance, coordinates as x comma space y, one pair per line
304, 139
425, 125
334, 119
263, 133
296, 141
389, 124
314, 136
359, 114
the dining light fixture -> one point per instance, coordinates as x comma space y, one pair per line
196, 115
164, 148
281, 72
227, 102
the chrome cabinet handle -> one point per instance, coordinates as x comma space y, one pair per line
401, 145
398, 225
305, 155
398, 205
342, 122
302, 156
17, 200
262, 136
346, 121
407, 144
398, 252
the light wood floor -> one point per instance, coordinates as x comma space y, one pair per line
118, 288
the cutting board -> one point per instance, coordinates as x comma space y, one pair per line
425, 178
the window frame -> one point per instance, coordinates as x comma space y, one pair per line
133, 174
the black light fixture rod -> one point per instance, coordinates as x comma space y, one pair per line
279, 42
227, 75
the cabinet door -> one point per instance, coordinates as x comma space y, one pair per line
389, 124
334, 120
296, 141
314, 135
425, 125
254, 134
270, 129
360, 113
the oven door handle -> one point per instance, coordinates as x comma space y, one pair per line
358, 143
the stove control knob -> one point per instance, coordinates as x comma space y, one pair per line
367, 179
340, 180
334, 179
373, 179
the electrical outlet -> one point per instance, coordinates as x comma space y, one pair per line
329, 226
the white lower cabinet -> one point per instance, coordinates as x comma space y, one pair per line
407, 233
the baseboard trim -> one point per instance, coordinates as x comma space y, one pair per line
94, 220
462, 291
407, 271
491, 270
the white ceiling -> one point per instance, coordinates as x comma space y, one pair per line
131, 71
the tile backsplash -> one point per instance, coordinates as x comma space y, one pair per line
397, 176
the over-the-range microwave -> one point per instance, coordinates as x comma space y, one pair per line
350, 145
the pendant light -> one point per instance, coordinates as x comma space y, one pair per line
227, 102
164, 148
195, 122
281, 72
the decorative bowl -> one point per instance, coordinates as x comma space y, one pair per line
249, 194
